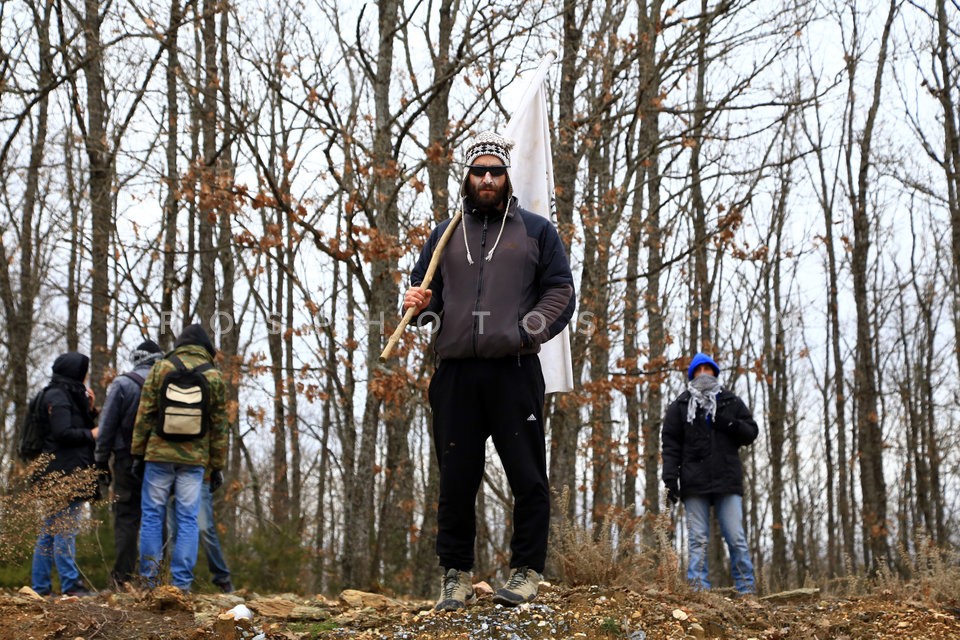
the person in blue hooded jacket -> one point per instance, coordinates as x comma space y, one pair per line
703, 431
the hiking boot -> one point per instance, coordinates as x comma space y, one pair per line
520, 587
456, 591
225, 586
79, 592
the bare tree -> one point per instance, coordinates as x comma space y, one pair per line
22, 273
869, 435
651, 104
564, 416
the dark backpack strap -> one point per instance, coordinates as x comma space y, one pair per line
178, 363
136, 377
40, 409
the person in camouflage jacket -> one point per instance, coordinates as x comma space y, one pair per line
177, 467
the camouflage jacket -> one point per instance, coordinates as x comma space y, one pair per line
209, 451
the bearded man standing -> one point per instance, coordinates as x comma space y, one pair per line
502, 289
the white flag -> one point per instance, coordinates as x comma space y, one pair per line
531, 173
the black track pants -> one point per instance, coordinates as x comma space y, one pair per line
473, 399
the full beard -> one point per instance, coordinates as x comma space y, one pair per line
487, 200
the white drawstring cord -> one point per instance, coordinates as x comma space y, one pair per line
466, 243
503, 221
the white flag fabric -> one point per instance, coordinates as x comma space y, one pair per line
531, 173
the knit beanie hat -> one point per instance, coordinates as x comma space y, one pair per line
147, 352
489, 143
699, 359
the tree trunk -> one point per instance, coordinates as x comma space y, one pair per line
947, 94
439, 153
841, 552
397, 497
196, 120
701, 287
209, 173
170, 204
231, 363
19, 302
869, 434
280, 489
352, 545
594, 302
382, 303
656, 367
564, 419
74, 263
776, 383
290, 382
101, 196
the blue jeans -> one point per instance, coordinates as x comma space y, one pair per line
57, 544
209, 540
729, 510
160, 479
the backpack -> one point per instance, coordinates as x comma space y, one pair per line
34, 430
136, 377
184, 402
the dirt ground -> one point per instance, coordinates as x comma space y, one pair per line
558, 613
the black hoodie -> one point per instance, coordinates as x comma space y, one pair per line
195, 334
70, 438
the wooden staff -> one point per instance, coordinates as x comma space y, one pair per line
431, 269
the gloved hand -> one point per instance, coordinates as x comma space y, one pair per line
673, 490
725, 418
216, 480
103, 472
136, 468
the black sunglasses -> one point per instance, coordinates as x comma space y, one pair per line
479, 170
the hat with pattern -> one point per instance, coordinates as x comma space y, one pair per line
489, 143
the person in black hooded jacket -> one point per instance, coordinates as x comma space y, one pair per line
70, 442
703, 431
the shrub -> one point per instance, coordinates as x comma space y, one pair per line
30, 498
618, 552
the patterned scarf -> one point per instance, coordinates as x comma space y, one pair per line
703, 393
